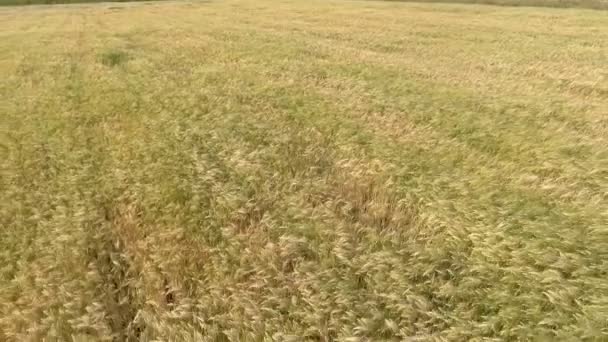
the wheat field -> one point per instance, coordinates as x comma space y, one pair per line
303, 171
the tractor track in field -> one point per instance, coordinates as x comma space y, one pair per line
107, 252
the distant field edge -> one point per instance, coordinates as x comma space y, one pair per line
60, 2
587, 4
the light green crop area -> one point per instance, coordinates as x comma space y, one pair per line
303, 171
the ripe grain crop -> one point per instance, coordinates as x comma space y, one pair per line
303, 170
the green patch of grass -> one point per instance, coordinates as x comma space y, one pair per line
113, 58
